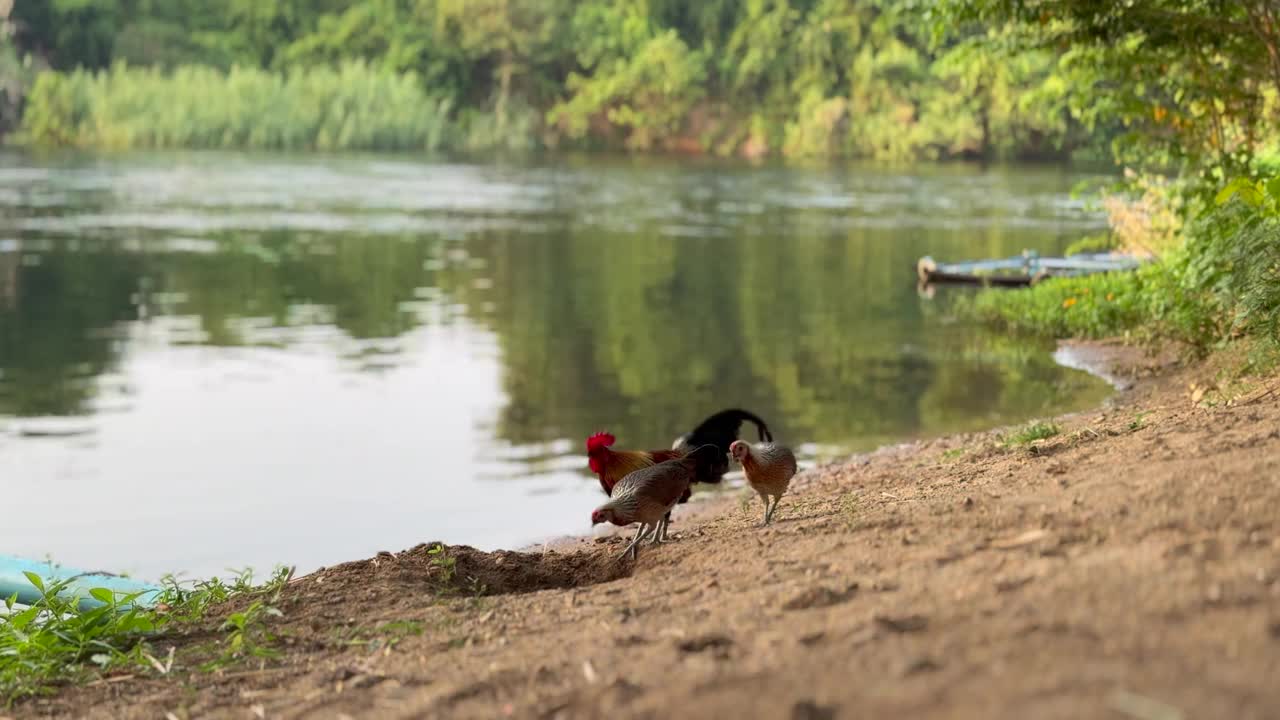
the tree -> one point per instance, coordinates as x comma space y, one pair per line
513, 37
638, 78
1190, 78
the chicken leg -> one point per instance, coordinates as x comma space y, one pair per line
660, 533
641, 534
768, 515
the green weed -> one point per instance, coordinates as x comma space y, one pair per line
1031, 433
54, 641
247, 636
385, 635
446, 564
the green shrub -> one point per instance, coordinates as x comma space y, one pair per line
57, 640
1090, 306
350, 107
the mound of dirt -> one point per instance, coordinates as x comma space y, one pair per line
460, 570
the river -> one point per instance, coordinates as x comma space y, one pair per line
213, 361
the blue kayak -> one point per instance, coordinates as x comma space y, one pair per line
13, 581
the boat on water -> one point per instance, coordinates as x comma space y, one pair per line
1022, 270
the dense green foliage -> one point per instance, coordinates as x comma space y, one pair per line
795, 77
1194, 81
1222, 283
1197, 84
351, 107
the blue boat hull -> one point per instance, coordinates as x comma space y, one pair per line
13, 581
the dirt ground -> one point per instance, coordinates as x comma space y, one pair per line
1126, 568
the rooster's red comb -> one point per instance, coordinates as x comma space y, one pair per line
599, 440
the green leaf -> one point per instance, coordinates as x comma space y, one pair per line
1273, 188
103, 595
24, 618
1248, 191
34, 579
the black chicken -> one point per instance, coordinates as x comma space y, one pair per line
720, 430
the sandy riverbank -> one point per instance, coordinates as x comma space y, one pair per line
1127, 567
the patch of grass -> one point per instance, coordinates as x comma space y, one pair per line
190, 602
954, 453
55, 642
1139, 421
400, 629
387, 634
1031, 433
247, 635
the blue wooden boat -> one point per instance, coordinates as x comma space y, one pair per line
1025, 269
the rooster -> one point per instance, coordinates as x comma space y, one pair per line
647, 495
611, 466
769, 469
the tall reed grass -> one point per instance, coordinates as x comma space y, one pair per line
350, 107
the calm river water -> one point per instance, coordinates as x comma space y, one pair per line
214, 361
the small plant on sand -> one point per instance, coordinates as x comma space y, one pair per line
1139, 421
445, 563
247, 636
1031, 433
385, 635
398, 630
954, 453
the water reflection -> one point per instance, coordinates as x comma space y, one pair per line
309, 360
